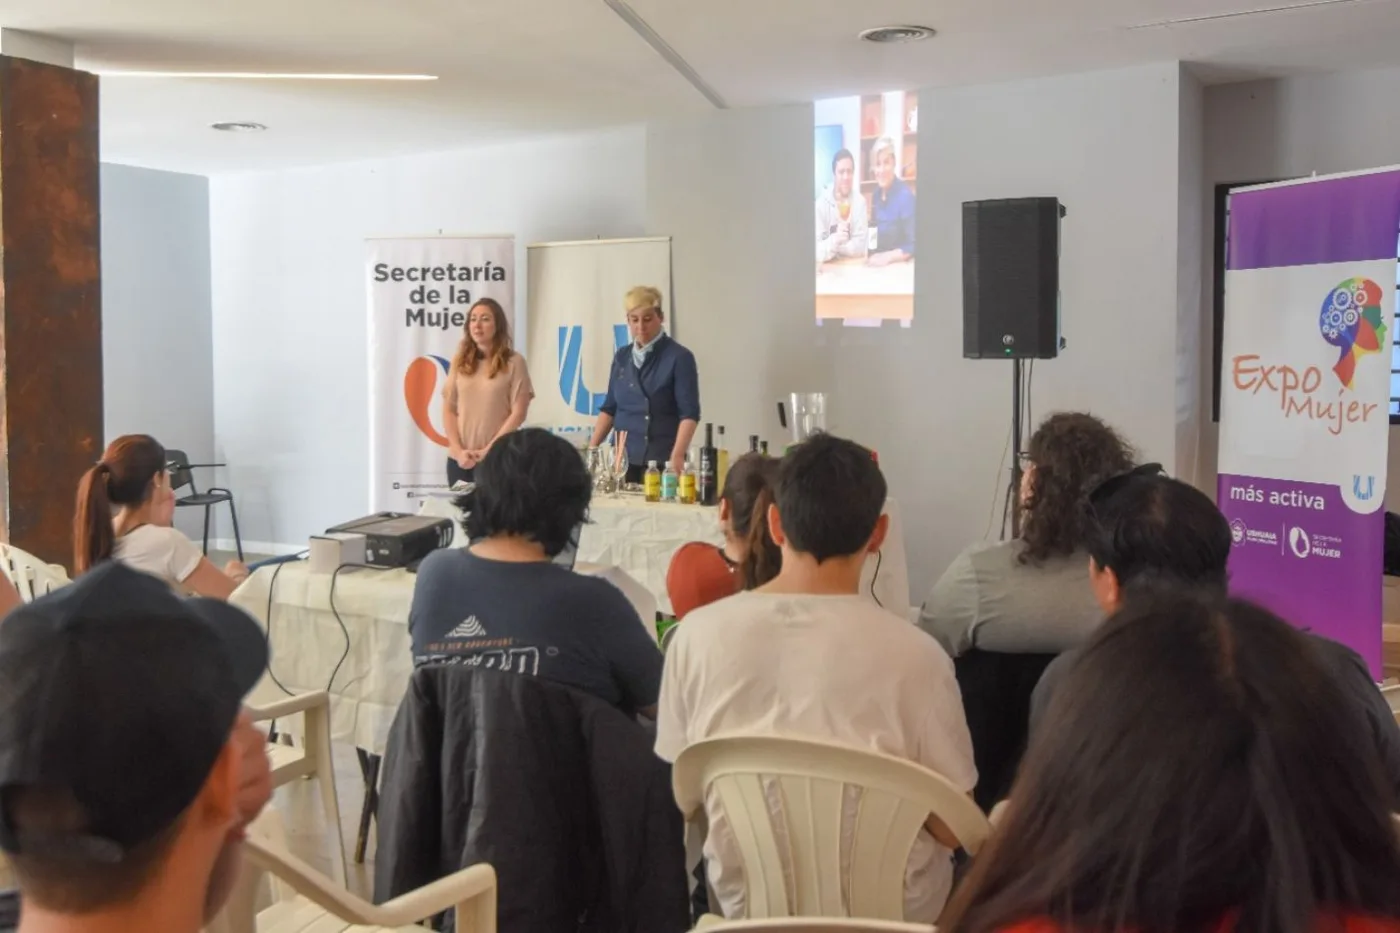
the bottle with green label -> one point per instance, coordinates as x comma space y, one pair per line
670, 484
651, 482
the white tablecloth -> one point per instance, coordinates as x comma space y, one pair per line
640, 537
308, 642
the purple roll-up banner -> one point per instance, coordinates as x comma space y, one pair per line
1305, 396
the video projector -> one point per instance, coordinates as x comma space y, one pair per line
397, 539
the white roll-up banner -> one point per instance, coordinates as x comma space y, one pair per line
576, 322
419, 293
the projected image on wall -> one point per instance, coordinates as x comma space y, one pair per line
866, 158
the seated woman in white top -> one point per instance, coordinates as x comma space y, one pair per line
132, 477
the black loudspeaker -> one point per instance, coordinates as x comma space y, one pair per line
1011, 278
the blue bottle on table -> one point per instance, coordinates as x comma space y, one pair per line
670, 484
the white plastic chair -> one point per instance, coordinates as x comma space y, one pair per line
29, 575
313, 759
815, 925
811, 777
1391, 692
304, 900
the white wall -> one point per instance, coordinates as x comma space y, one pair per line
156, 344
290, 342
1264, 130
1193, 329
733, 190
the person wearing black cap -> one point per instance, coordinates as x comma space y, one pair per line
127, 768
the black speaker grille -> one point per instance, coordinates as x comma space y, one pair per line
1011, 278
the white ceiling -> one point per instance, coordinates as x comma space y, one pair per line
516, 68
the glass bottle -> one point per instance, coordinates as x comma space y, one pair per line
723, 472
687, 481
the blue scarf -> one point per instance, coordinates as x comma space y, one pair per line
640, 354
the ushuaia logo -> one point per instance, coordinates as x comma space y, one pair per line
420, 391
1351, 321
576, 394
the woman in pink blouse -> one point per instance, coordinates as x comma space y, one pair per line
488, 391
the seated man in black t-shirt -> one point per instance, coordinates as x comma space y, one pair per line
502, 603
1150, 531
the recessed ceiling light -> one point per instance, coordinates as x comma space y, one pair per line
886, 34
262, 76
238, 126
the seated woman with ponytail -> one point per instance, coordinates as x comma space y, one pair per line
124, 512
701, 573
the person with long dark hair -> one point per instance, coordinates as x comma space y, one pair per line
124, 512
1031, 595
701, 573
488, 391
1200, 771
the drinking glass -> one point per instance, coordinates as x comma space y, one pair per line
619, 470
597, 461
844, 209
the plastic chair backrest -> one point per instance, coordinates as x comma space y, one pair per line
269, 828
178, 463
818, 925
1391, 692
996, 690
471, 892
30, 576
254, 888
810, 778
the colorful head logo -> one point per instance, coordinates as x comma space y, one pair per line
1351, 321
420, 391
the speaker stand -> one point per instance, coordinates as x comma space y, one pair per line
1013, 492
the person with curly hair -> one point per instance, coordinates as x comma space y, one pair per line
1031, 595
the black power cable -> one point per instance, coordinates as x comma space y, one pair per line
879, 559
343, 630
267, 629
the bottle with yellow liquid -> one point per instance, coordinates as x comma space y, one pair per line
723, 458
651, 482
686, 493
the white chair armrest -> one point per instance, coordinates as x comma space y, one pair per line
300, 703
455, 890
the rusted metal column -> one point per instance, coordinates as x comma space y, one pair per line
50, 301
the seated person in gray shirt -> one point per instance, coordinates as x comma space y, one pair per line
1152, 532
1031, 595
504, 602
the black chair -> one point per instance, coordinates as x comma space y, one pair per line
996, 691
181, 475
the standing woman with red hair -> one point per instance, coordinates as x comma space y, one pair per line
488, 391
124, 512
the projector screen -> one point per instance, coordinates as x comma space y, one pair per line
866, 155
